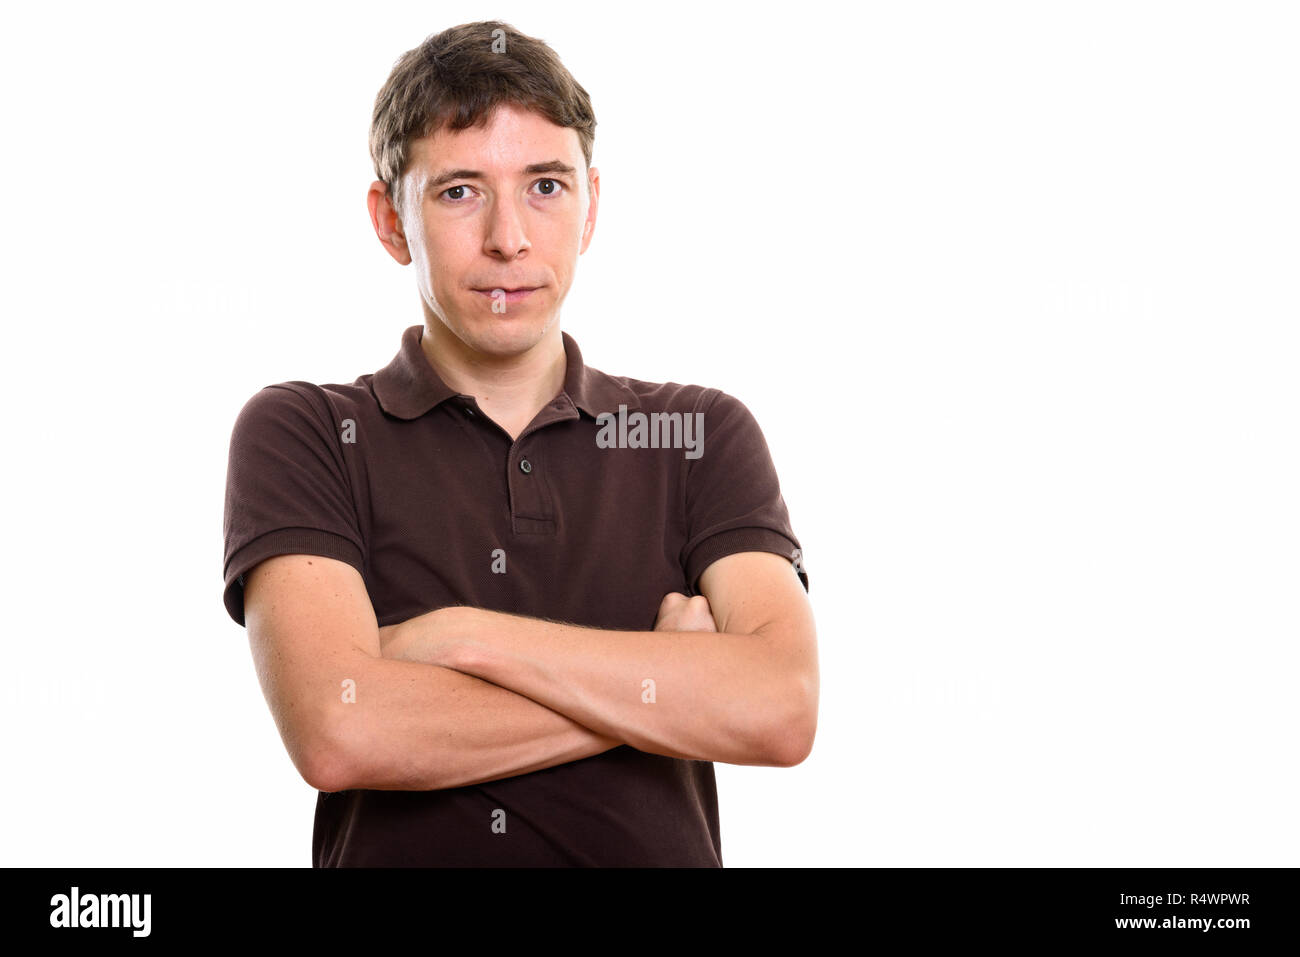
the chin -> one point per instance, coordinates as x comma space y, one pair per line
500, 336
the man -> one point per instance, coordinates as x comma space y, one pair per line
465, 577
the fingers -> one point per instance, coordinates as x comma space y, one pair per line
668, 610
679, 613
698, 615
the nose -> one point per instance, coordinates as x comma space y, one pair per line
505, 235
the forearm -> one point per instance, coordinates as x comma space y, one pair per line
703, 696
416, 727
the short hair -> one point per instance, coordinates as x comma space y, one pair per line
457, 78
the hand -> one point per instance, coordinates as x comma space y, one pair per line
679, 613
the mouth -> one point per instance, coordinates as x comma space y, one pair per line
507, 294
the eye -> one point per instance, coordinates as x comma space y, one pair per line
455, 194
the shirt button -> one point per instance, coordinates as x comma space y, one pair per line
525, 466
469, 412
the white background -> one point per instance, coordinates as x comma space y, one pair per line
1011, 288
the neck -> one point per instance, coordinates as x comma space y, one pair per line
511, 389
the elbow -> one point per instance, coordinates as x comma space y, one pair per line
348, 760
790, 741
325, 764
326, 773
791, 745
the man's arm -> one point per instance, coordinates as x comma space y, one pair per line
746, 694
413, 726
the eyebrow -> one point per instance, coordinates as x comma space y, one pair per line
441, 179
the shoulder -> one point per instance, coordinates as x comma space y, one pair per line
297, 402
676, 396
714, 408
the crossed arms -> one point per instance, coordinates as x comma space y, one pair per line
462, 695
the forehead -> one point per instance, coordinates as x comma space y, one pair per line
512, 138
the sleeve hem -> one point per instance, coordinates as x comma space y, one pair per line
737, 540
284, 541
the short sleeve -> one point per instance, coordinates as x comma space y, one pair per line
287, 487
733, 497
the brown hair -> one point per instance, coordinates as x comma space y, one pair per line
456, 79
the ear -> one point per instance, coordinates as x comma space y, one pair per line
593, 202
387, 223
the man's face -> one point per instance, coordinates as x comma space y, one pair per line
506, 207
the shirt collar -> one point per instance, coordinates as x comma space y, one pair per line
408, 387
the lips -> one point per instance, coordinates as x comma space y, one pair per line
516, 294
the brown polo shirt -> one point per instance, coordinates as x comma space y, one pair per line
591, 516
